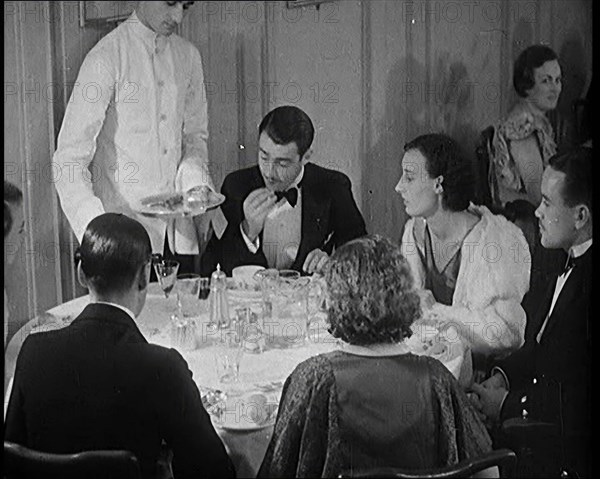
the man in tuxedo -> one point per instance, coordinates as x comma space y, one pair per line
284, 213
97, 384
548, 379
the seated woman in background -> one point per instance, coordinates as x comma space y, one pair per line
373, 403
14, 225
524, 142
473, 266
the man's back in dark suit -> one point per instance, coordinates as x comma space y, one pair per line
98, 384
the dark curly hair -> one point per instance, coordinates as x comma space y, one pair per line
523, 71
287, 124
445, 157
370, 292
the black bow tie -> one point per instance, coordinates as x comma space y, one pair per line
571, 263
290, 195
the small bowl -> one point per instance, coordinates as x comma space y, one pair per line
243, 276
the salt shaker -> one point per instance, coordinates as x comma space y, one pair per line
219, 310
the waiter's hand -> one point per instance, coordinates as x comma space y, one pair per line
315, 261
256, 208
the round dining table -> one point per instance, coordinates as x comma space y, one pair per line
261, 373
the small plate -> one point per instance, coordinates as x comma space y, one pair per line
249, 412
179, 204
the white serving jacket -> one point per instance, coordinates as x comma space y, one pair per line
136, 125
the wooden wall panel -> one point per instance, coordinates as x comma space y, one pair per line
318, 67
70, 43
32, 281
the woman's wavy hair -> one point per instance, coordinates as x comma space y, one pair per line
371, 298
113, 250
445, 157
523, 70
13, 196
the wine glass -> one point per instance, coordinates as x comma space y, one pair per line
166, 272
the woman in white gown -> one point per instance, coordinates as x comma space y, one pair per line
473, 266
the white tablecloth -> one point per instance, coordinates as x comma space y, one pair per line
258, 372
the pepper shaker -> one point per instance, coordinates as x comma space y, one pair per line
219, 309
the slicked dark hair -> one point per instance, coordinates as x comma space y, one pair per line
12, 196
523, 72
576, 164
113, 250
443, 156
287, 124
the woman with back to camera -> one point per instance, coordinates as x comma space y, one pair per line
471, 265
372, 403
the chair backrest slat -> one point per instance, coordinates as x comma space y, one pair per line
505, 459
22, 462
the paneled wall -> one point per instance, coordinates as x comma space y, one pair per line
371, 74
32, 273
374, 74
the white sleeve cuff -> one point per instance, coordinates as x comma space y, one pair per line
252, 246
502, 403
495, 370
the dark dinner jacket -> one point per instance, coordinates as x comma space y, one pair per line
330, 218
552, 379
98, 384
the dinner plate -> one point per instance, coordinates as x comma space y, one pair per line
426, 340
179, 204
247, 412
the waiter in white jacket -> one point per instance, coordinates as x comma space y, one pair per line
136, 125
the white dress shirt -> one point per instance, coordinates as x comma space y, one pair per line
135, 125
282, 231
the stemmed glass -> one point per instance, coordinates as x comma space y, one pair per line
166, 272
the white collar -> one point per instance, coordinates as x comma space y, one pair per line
122, 308
147, 34
395, 349
580, 249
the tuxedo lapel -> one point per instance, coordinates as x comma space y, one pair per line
569, 295
544, 308
315, 211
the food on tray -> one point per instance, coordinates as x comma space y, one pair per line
171, 203
194, 200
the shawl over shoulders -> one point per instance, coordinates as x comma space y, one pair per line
310, 438
492, 280
521, 125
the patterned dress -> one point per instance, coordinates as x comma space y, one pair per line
506, 182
